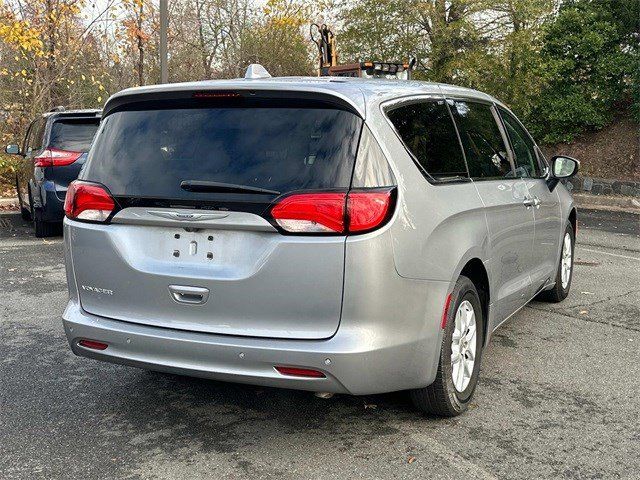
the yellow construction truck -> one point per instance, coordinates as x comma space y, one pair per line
328, 65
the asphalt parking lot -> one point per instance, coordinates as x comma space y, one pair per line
559, 393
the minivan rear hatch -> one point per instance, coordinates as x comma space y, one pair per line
191, 245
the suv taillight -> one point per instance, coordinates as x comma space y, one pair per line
334, 212
88, 201
54, 157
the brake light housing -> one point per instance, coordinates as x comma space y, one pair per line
334, 213
367, 210
54, 157
321, 212
88, 201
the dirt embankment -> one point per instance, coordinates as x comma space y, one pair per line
612, 153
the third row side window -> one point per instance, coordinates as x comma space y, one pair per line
428, 133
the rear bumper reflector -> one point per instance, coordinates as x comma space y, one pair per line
300, 372
93, 344
445, 312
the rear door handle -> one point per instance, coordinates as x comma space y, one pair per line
189, 295
531, 202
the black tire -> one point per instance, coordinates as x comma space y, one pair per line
558, 293
25, 212
441, 397
44, 229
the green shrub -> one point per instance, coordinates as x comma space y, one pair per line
590, 58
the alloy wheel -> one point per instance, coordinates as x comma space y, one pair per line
463, 346
566, 261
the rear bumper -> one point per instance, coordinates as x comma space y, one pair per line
352, 362
388, 338
50, 204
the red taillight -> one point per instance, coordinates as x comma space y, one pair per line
367, 210
333, 212
300, 372
311, 213
88, 201
54, 157
93, 344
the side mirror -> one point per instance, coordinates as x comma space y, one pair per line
562, 167
12, 149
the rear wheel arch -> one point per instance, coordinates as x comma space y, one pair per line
444, 397
475, 271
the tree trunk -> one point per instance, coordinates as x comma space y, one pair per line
206, 70
140, 66
439, 42
54, 96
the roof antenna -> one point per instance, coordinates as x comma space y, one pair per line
255, 70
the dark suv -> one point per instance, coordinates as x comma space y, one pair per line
54, 150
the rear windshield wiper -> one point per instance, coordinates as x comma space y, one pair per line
205, 186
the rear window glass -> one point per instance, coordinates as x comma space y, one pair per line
148, 153
427, 131
73, 135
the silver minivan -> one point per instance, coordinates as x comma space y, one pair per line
335, 235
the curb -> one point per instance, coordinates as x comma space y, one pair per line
607, 202
603, 186
9, 202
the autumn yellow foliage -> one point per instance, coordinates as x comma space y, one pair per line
19, 33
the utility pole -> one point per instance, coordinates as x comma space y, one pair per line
164, 24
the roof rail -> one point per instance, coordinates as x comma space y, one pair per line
59, 108
255, 70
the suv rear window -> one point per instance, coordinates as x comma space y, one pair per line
148, 153
73, 135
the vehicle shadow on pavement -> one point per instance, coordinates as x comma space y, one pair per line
197, 395
217, 417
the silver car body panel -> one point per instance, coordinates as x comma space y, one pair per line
259, 282
364, 309
376, 349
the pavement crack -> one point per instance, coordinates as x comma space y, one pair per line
602, 300
586, 319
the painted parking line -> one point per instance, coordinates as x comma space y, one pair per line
608, 253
